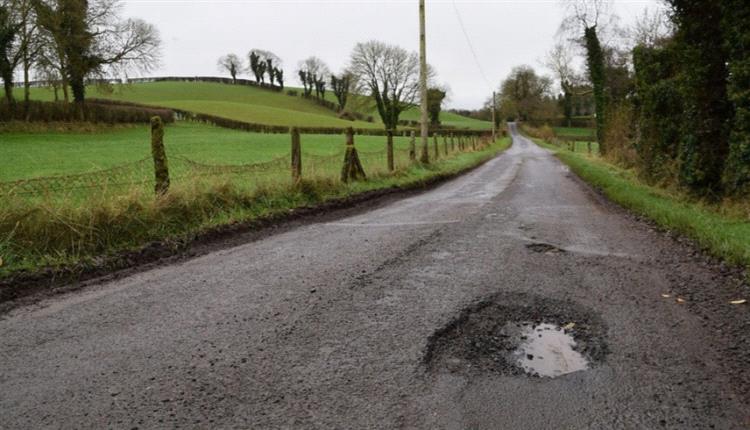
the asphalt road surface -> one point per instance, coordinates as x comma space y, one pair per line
329, 324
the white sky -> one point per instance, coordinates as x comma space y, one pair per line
505, 33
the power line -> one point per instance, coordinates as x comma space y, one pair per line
471, 46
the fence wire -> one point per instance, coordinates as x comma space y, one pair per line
141, 173
128, 174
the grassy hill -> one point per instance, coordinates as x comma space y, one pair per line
244, 103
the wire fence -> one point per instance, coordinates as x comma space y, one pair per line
123, 175
181, 168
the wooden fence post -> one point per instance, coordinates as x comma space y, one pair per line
424, 157
352, 169
589, 145
161, 170
473, 143
413, 146
435, 144
389, 149
296, 156
445, 145
453, 146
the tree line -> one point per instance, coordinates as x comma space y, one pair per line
67, 42
387, 74
670, 94
70, 43
678, 105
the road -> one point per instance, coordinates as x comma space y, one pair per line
341, 323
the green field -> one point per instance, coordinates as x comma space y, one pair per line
450, 119
249, 104
574, 131
29, 155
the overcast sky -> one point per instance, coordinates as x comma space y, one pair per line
504, 34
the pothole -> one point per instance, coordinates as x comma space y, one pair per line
544, 248
518, 335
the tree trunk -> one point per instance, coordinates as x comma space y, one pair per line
26, 83
389, 149
66, 97
8, 86
79, 89
296, 156
595, 62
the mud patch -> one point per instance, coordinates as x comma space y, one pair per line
544, 248
518, 334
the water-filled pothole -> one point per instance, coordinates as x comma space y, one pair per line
546, 350
518, 334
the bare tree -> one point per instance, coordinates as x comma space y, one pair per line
651, 28
28, 43
582, 23
49, 72
231, 63
390, 74
312, 73
560, 61
341, 86
582, 14
93, 41
262, 61
9, 53
132, 45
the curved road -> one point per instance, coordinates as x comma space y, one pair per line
326, 325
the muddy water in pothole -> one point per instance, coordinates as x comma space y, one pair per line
546, 350
518, 334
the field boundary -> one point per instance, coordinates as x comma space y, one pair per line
26, 288
252, 127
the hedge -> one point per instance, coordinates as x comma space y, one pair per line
94, 111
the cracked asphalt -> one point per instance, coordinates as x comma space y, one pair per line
326, 325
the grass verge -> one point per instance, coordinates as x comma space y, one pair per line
53, 236
726, 237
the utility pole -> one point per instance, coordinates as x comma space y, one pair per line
425, 158
494, 121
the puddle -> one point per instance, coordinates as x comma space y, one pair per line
545, 248
547, 350
518, 334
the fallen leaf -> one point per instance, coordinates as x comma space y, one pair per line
679, 300
666, 296
569, 326
738, 302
